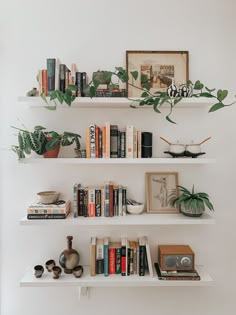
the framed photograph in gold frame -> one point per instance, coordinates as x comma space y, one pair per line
161, 190
159, 68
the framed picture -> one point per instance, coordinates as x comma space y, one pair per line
161, 190
159, 68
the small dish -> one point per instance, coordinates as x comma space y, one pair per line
135, 209
48, 197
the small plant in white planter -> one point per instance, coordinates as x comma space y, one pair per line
192, 204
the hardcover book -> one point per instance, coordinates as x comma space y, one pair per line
177, 277
51, 67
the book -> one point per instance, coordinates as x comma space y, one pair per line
122, 144
98, 203
171, 278
93, 256
87, 143
107, 199
142, 254
107, 125
106, 256
92, 137
124, 201
75, 200
51, 69
129, 141
39, 208
123, 256
149, 259
78, 83
91, 202
99, 256
47, 216
44, 82
62, 77
40, 83
114, 141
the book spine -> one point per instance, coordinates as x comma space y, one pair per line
81, 202
99, 257
85, 203
91, 202
131, 261
112, 260
67, 77
47, 216
48, 211
73, 71
62, 77
122, 144
83, 83
51, 69
139, 136
128, 261
98, 211
135, 143
107, 125
104, 142
106, 200
75, 200
44, 82
114, 141
123, 256
106, 257
40, 83
100, 143
120, 208
142, 260
102, 202
97, 129
118, 144
93, 257
129, 141
116, 201
111, 202
78, 83
124, 201
57, 71
92, 141
118, 260
87, 143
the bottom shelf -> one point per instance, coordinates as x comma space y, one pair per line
87, 281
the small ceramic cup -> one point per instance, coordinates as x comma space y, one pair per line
38, 271
56, 272
50, 264
78, 271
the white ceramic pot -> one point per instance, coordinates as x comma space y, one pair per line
48, 197
176, 148
194, 148
135, 209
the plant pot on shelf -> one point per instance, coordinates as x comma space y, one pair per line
190, 212
54, 152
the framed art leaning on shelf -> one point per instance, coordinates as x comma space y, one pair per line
157, 68
161, 190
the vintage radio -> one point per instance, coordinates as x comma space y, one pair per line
175, 257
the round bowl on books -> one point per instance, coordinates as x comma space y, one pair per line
135, 209
48, 197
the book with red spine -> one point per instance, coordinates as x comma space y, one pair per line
91, 202
112, 260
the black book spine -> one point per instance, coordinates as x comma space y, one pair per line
81, 202
51, 67
98, 205
142, 253
124, 201
78, 83
128, 261
46, 216
118, 144
99, 266
83, 83
114, 141
116, 201
85, 203
118, 260
62, 78
122, 144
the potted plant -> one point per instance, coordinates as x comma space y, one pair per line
192, 204
42, 142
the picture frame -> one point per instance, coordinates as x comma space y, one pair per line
161, 189
159, 67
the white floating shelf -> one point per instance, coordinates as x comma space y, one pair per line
112, 102
41, 160
86, 280
128, 220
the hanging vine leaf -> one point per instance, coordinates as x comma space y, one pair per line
216, 107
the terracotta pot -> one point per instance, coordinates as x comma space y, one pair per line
52, 153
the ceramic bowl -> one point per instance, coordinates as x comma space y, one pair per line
135, 209
47, 197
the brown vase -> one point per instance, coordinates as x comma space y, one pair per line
69, 258
52, 153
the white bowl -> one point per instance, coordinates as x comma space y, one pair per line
48, 197
137, 209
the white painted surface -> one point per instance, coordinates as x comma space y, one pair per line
95, 35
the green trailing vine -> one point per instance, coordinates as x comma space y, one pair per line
156, 99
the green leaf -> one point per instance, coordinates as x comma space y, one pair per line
107, 76
67, 99
92, 91
147, 86
37, 128
134, 74
222, 94
205, 94
53, 95
216, 107
51, 107
209, 90
141, 103
60, 96
72, 87
198, 85
155, 108
120, 69
44, 97
171, 121
144, 78
95, 83
144, 94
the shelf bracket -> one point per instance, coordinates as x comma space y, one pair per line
83, 292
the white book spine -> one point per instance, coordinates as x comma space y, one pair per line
135, 142
92, 141
129, 141
139, 136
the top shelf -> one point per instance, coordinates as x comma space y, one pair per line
113, 102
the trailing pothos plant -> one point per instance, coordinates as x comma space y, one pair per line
40, 141
154, 99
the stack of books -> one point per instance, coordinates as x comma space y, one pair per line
176, 274
124, 257
99, 201
50, 211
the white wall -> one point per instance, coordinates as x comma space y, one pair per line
95, 35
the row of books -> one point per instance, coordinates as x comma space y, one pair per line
51, 211
100, 201
122, 257
58, 76
110, 142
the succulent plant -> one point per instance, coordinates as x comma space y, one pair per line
40, 141
192, 203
